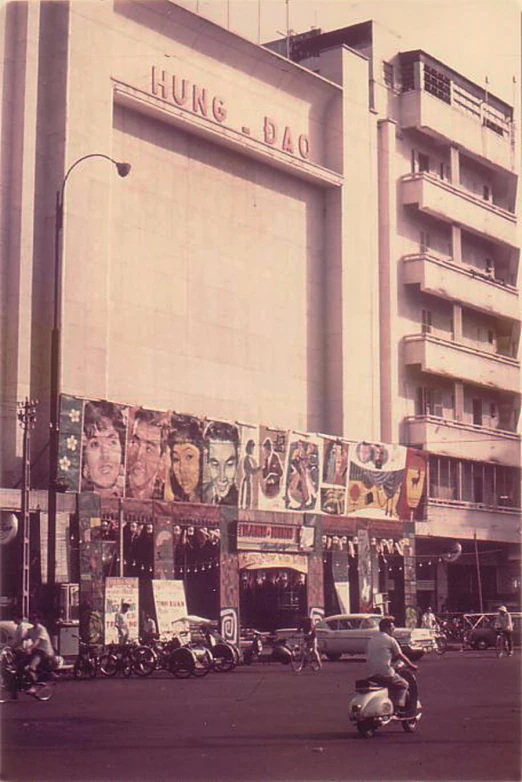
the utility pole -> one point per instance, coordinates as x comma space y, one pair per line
27, 419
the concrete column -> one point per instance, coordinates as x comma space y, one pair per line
456, 243
459, 400
454, 166
442, 585
389, 378
457, 322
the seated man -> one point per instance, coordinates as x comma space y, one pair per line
41, 653
382, 650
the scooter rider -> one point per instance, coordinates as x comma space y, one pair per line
382, 650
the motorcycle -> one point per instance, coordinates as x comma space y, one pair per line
277, 652
372, 706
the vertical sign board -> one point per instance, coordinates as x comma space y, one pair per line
364, 564
118, 591
170, 604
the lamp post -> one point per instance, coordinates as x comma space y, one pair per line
123, 170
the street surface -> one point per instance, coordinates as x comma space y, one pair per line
267, 723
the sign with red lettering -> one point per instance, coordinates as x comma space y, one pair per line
252, 536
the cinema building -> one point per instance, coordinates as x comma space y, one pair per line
304, 291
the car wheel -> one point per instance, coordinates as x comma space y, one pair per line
333, 656
481, 644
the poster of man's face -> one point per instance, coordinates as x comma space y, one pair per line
103, 448
221, 444
145, 449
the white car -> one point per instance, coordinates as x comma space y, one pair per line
350, 633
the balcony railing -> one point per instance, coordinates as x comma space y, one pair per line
461, 440
447, 358
440, 276
454, 204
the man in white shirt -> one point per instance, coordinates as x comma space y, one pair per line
41, 652
382, 650
504, 623
429, 620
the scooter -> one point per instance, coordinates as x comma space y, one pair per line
279, 652
372, 706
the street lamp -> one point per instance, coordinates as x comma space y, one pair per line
123, 170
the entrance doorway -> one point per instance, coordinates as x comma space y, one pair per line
271, 598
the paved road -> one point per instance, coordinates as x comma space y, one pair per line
267, 723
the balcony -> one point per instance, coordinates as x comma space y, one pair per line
454, 519
452, 359
454, 204
451, 281
451, 123
464, 441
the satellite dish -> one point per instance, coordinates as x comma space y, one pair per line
452, 552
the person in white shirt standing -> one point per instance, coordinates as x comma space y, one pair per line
382, 650
504, 623
429, 620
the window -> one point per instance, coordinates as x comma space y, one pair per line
424, 241
486, 193
437, 84
473, 482
429, 402
423, 161
491, 337
492, 410
426, 321
477, 412
387, 74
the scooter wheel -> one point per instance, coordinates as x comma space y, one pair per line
409, 726
366, 729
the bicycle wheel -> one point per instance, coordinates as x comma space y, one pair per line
203, 662
181, 663
108, 665
84, 668
144, 661
441, 645
43, 691
224, 658
298, 660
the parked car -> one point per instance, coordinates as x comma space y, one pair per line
350, 633
481, 633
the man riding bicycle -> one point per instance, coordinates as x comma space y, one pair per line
504, 625
41, 653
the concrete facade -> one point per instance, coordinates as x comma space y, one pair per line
333, 251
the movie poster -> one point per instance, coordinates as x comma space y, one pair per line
184, 458
303, 473
121, 592
146, 456
170, 604
334, 476
69, 444
248, 473
273, 449
220, 464
376, 474
412, 500
104, 437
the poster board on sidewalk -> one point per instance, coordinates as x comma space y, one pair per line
170, 604
118, 591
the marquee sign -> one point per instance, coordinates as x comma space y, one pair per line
274, 537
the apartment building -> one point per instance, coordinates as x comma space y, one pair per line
449, 247
319, 253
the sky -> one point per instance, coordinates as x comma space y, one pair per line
479, 38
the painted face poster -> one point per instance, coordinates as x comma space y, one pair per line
221, 456
121, 610
103, 448
412, 501
146, 450
303, 473
170, 604
375, 480
69, 445
248, 467
184, 459
334, 476
273, 449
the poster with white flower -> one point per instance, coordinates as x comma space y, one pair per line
70, 438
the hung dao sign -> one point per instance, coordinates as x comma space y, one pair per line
170, 604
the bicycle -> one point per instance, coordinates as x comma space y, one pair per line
302, 656
15, 678
501, 645
86, 663
127, 659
